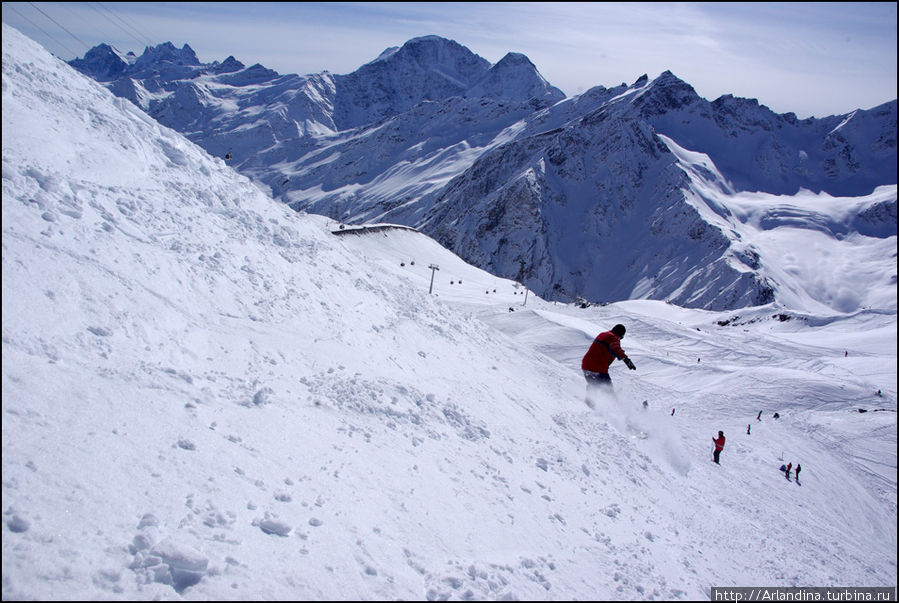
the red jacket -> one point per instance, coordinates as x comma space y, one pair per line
605, 348
719, 443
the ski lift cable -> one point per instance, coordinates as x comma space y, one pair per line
42, 30
140, 34
60, 26
108, 18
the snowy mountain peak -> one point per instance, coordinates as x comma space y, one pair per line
433, 53
169, 53
229, 65
406, 132
515, 59
103, 63
515, 77
664, 94
425, 68
667, 78
165, 62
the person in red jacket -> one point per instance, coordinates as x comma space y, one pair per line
719, 445
603, 351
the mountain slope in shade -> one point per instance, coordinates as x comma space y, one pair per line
589, 205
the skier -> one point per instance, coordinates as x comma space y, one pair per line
798, 469
789, 466
748, 429
719, 445
759, 418
603, 351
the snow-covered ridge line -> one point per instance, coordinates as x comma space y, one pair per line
361, 229
398, 139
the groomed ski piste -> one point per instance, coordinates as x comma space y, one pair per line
209, 396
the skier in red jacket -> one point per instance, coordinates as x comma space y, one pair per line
719, 445
603, 351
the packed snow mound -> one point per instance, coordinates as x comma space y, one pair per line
206, 395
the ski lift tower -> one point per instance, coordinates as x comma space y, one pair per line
433, 268
521, 281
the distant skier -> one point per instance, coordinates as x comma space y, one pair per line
603, 351
789, 467
719, 445
748, 429
759, 418
798, 469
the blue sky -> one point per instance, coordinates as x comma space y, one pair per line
813, 59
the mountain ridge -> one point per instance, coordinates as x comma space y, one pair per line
387, 141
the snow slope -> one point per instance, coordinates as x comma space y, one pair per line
209, 396
821, 253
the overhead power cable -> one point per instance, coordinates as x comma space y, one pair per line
60, 26
41, 29
107, 17
138, 35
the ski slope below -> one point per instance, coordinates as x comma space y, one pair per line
714, 371
208, 396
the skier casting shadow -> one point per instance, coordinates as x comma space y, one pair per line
595, 364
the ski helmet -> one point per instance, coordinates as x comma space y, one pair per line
619, 330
